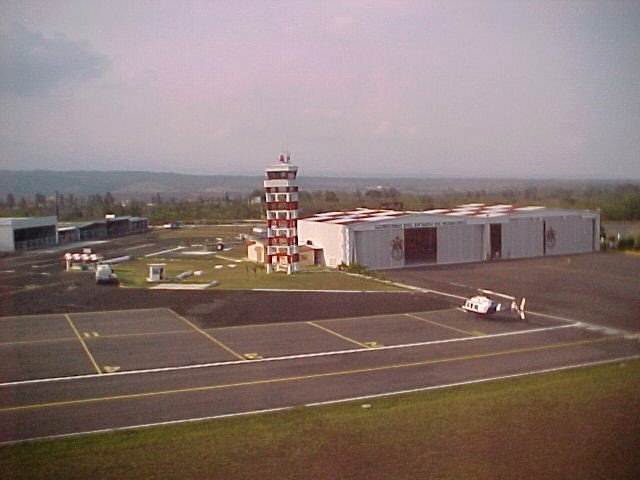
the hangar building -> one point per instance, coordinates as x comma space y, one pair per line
475, 232
22, 233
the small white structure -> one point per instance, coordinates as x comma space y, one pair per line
157, 272
256, 251
75, 259
104, 274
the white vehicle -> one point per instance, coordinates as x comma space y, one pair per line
485, 305
104, 274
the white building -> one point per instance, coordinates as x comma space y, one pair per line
380, 239
26, 233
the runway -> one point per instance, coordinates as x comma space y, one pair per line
75, 373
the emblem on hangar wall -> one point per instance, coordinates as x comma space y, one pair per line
550, 238
397, 248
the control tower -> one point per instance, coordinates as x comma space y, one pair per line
281, 199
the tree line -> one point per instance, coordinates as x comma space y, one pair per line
616, 203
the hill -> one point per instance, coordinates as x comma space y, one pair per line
141, 185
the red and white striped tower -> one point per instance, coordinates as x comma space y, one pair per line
281, 199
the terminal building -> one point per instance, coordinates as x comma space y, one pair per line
30, 233
27, 233
381, 239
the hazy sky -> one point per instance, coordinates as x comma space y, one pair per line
407, 88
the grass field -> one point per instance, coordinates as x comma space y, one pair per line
232, 274
204, 232
228, 267
578, 424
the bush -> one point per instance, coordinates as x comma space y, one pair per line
626, 243
360, 270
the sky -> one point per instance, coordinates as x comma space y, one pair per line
543, 89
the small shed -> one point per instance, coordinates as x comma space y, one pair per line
310, 255
157, 272
256, 251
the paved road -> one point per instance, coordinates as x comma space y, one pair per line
602, 288
599, 289
52, 408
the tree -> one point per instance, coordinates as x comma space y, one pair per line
330, 196
157, 199
11, 200
109, 201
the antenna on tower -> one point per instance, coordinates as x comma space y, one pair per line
287, 155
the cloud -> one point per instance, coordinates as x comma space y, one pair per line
32, 64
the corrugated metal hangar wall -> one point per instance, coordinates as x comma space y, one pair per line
421, 239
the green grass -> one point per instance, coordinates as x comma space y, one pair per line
204, 232
244, 275
578, 424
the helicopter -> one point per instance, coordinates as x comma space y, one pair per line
484, 304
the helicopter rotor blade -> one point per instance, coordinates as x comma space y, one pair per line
497, 294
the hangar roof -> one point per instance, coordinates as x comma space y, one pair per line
28, 222
361, 215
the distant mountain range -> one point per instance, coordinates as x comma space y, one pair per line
141, 185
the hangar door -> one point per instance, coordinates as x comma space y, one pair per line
421, 245
570, 234
379, 248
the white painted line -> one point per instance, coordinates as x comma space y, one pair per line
408, 287
45, 265
587, 326
554, 317
146, 425
180, 286
322, 291
284, 358
229, 259
164, 251
328, 402
140, 246
480, 380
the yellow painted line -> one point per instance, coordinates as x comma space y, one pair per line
29, 288
276, 324
338, 335
84, 345
383, 315
475, 333
120, 335
20, 317
312, 376
35, 342
213, 339
128, 310
146, 334
256, 325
